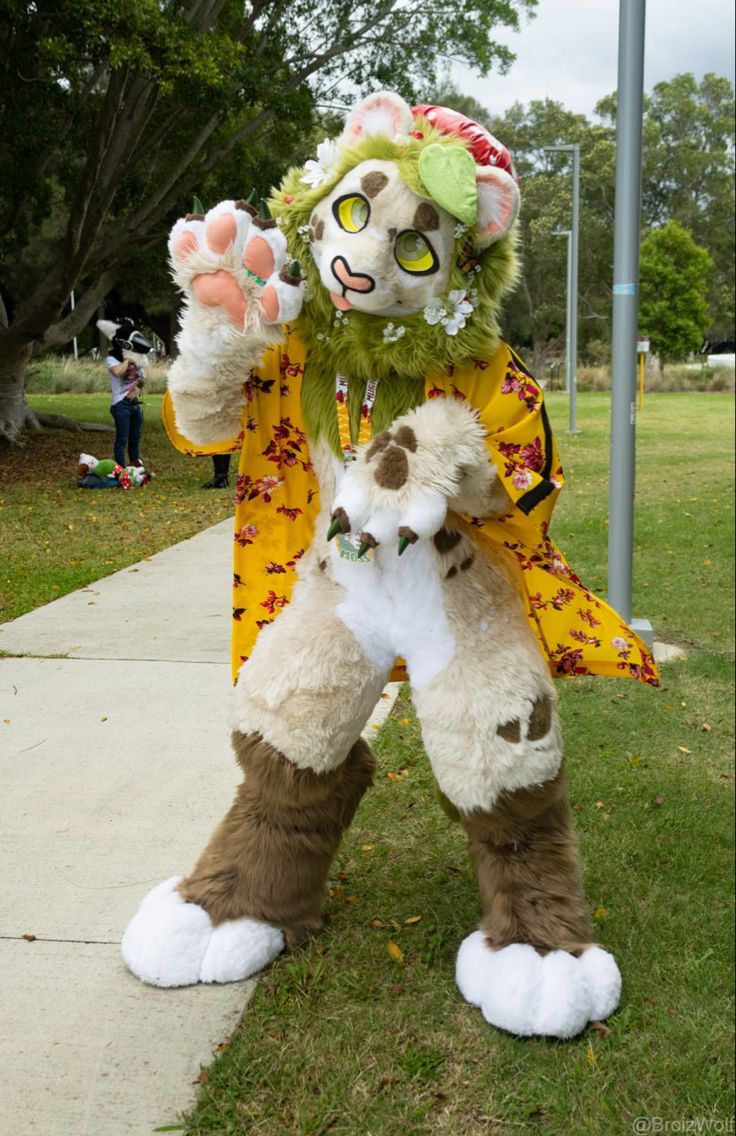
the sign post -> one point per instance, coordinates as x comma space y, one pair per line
642, 349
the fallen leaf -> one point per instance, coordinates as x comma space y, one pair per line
590, 1054
599, 804
392, 776
600, 913
413, 919
7, 721
395, 952
684, 749
202, 1078
404, 721
384, 695
221, 1048
351, 899
707, 563
104, 719
601, 1029
367, 847
605, 816
378, 924
375, 726
659, 800
707, 727
29, 938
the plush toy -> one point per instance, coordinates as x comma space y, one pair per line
94, 474
397, 453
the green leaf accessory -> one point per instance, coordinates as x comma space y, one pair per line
448, 172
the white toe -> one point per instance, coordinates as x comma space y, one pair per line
564, 1000
604, 982
166, 939
470, 967
239, 948
514, 981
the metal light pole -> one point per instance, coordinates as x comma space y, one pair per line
572, 282
625, 310
569, 369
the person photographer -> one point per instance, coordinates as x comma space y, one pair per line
124, 363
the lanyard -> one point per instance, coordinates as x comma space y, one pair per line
347, 446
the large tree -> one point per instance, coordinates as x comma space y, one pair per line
673, 279
114, 111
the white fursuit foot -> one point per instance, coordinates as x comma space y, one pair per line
169, 942
528, 994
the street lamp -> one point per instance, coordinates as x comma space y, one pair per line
625, 311
569, 316
572, 280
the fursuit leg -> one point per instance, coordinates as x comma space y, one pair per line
491, 730
299, 707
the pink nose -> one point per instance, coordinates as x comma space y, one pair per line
356, 281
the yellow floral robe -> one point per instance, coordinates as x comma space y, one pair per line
277, 502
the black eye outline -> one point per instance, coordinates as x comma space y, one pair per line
434, 267
350, 197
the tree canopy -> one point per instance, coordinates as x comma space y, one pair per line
673, 279
115, 111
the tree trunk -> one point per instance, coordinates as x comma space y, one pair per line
15, 413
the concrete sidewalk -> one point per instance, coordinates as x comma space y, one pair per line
115, 765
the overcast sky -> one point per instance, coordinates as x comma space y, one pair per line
568, 52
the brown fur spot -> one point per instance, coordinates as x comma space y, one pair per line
510, 731
410, 535
317, 228
467, 562
341, 516
445, 540
270, 857
406, 437
540, 719
451, 572
393, 469
322, 565
392, 234
378, 444
426, 218
194, 217
373, 183
528, 869
369, 539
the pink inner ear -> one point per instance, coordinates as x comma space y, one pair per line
504, 202
367, 112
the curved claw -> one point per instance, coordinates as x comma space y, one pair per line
407, 536
334, 530
404, 543
365, 547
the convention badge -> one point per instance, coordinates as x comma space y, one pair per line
348, 548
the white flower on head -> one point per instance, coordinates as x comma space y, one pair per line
393, 334
319, 170
460, 229
434, 311
460, 309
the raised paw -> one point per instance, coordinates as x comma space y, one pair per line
399, 488
528, 994
233, 261
170, 942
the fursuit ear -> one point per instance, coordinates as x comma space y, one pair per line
381, 113
108, 328
498, 205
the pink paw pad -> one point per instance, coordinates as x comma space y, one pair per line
258, 257
184, 246
270, 303
221, 232
220, 290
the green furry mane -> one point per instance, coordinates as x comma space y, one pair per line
356, 346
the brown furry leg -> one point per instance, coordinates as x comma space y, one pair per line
270, 857
526, 859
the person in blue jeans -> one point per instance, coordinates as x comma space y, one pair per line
128, 352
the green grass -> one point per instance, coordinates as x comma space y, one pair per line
56, 537
342, 1038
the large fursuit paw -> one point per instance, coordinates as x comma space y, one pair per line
169, 942
529, 994
399, 488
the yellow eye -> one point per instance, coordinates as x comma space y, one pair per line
415, 254
351, 212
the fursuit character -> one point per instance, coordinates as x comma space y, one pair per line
398, 452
